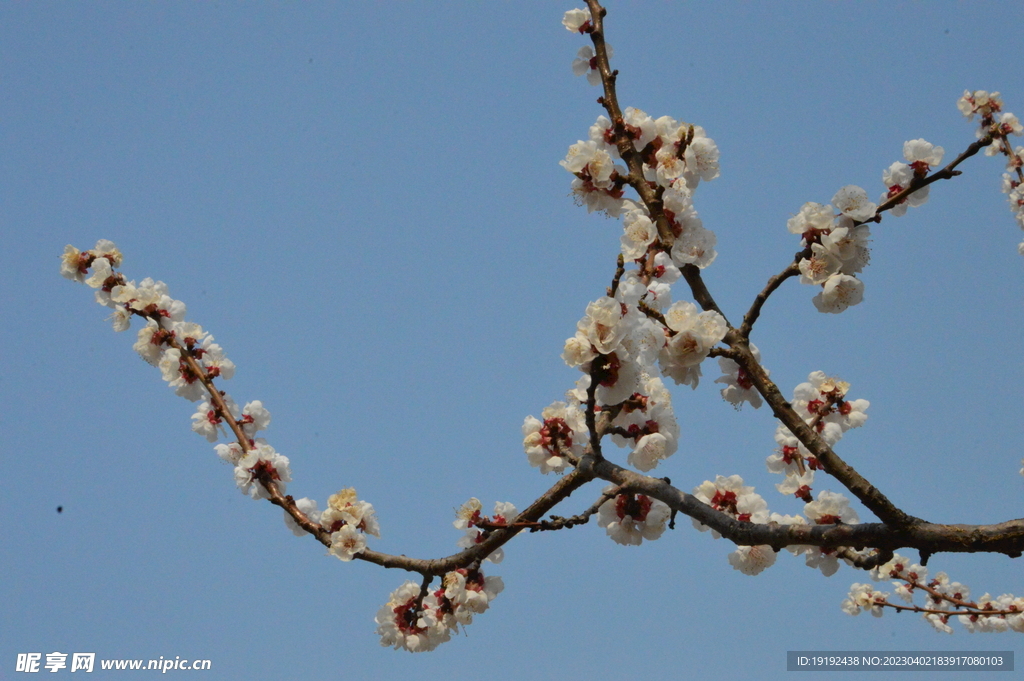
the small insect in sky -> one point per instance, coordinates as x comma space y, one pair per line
60, 509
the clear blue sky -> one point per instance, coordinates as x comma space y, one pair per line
363, 203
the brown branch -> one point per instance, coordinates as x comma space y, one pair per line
623, 142
946, 173
591, 411
288, 504
967, 608
859, 486
560, 491
653, 314
620, 269
498, 538
897, 531
558, 522
865, 562
700, 291
634, 161
214, 393
773, 284
916, 183
1006, 537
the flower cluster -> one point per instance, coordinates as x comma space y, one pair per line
943, 600
864, 597
418, 619
619, 347
636, 332
999, 124
821, 402
598, 183
75, 265
188, 359
579, 21
630, 518
408, 620
349, 520
476, 526
695, 333
646, 424
209, 422
921, 156
838, 247
676, 156
552, 442
829, 508
992, 120
899, 567
255, 466
184, 352
738, 386
730, 496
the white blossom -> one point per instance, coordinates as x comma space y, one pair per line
695, 246
640, 126
831, 508
849, 243
575, 19
730, 496
696, 334
255, 418
923, 153
561, 431
207, 422
897, 178
701, 158
347, 542
71, 266
812, 217
1009, 124
630, 518
839, 292
820, 266
980, 102
640, 233
471, 595
603, 325
344, 508
262, 460
402, 626
752, 560
852, 201
864, 597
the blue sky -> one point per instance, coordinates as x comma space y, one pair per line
363, 203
